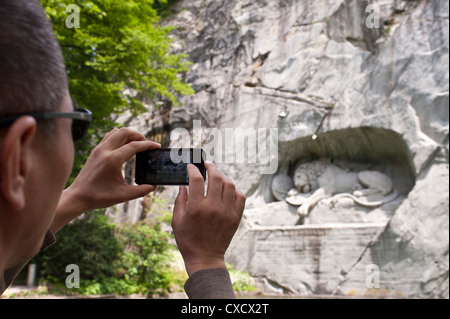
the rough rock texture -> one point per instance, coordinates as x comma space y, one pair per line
371, 98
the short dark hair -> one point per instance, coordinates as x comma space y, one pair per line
32, 72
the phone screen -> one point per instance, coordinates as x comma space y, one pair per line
167, 166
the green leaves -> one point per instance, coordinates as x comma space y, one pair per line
119, 42
119, 259
118, 46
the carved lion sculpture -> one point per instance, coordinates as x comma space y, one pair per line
315, 181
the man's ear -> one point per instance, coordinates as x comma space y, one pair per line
15, 159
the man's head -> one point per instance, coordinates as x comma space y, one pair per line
36, 157
32, 69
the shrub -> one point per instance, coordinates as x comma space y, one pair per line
113, 259
145, 259
90, 242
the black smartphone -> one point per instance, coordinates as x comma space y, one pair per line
168, 166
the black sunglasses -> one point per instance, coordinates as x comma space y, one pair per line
82, 119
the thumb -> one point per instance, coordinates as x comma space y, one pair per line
138, 191
180, 203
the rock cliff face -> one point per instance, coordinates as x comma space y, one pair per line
344, 95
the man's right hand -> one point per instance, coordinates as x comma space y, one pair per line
204, 225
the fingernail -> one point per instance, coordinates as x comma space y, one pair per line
208, 162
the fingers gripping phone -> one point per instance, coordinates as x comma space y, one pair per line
168, 166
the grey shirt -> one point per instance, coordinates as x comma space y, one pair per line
210, 284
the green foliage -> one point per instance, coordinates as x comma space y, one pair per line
145, 260
117, 58
242, 281
113, 259
89, 242
163, 7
